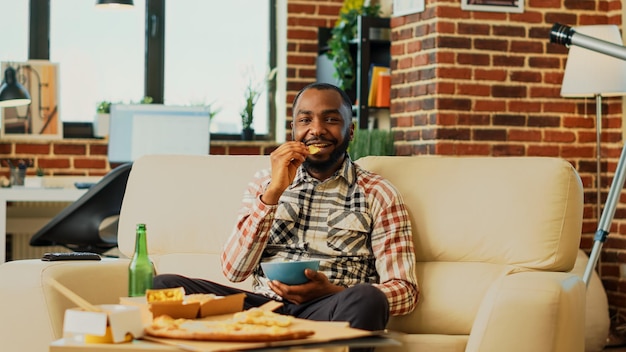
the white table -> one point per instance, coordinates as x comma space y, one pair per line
25, 194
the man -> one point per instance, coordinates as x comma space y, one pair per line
321, 206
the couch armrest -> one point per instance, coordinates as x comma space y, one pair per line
32, 311
531, 311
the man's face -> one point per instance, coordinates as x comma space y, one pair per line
318, 121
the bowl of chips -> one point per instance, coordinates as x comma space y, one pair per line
289, 272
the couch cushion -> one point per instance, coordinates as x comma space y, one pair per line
522, 211
450, 295
195, 217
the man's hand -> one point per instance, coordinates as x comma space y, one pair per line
285, 162
318, 286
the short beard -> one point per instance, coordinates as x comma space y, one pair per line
322, 166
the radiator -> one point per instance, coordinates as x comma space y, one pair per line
18, 247
23, 220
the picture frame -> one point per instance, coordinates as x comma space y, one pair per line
41, 118
407, 7
513, 6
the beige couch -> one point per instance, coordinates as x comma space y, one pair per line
496, 239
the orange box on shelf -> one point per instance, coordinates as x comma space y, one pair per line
383, 98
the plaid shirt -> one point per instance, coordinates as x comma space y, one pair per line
355, 223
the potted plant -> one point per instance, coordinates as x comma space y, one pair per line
252, 93
371, 142
104, 107
344, 32
37, 181
101, 124
103, 112
251, 96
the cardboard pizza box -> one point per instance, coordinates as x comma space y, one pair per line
337, 333
180, 309
114, 324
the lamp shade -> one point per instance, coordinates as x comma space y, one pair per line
114, 3
12, 93
589, 73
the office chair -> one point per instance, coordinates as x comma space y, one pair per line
90, 223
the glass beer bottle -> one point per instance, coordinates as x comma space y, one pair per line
140, 269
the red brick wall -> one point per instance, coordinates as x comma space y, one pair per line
80, 157
463, 83
88, 157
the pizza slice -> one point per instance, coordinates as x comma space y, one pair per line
254, 325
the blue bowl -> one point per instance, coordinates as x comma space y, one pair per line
290, 273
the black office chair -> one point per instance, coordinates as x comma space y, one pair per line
90, 223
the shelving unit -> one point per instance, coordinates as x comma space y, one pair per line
372, 46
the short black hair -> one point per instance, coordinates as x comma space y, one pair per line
347, 103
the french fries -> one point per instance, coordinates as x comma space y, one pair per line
165, 294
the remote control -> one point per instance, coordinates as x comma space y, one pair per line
50, 257
84, 185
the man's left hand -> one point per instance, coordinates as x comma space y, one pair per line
317, 286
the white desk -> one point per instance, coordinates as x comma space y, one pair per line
17, 194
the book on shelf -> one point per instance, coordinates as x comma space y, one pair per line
383, 96
375, 88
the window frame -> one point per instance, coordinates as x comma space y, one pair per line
154, 62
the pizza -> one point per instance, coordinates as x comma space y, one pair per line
253, 325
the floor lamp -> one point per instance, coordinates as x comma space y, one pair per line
591, 74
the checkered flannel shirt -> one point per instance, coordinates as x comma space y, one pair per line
355, 223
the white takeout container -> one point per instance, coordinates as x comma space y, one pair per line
119, 319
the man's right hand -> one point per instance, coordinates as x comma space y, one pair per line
318, 286
285, 161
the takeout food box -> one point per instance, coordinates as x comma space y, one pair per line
116, 323
188, 310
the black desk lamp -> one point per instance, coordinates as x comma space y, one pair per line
114, 3
12, 93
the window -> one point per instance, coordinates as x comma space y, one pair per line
209, 57
14, 45
100, 53
201, 58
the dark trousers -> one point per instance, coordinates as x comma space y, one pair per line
363, 306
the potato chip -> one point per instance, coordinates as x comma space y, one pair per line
313, 149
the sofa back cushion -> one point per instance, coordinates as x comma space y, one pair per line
189, 205
521, 211
476, 220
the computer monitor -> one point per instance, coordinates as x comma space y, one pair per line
141, 129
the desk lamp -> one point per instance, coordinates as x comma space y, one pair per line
592, 74
12, 93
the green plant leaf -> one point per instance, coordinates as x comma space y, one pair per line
342, 35
371, 142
